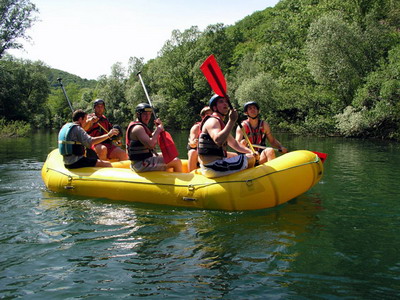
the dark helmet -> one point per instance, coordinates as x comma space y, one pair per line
98, 101
142, 107
213, 100
250, 103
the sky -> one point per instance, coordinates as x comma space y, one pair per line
86, 37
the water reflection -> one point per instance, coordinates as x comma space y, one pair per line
202, 249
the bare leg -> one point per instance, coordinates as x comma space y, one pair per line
101, 151
118, 154
269, 153
251, 160
192, 160
176, 164
103, 164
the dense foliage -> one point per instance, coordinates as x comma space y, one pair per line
15, 17
323, 67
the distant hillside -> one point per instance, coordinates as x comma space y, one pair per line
68, 78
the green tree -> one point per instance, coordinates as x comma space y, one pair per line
337, 55
16, 16
375, 110
23, 90
172, 78
112, 90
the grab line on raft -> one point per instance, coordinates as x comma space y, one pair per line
83, 178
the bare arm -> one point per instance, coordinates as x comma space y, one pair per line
194, 135
239, 136
91, 119
98, 139
272, 140
138, 133
234, 144
213, 128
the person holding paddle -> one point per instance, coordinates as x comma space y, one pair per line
258, 131
73, 141
194, 139
140, 143
215, 135
99, 125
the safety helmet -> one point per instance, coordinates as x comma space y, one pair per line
250, 103
142, 107
213, 100
98, 101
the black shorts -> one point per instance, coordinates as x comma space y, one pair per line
83, 162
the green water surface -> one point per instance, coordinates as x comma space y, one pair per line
340, 240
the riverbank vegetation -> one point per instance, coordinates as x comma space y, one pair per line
315, 67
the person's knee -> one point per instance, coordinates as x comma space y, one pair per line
119, 154
251, 160
176, 163
270, 153
192, 153
101, 149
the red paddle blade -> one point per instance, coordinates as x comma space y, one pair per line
214, 76
322, 156
167, 146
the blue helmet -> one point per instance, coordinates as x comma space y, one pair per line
213, 100
99, 101
250, 103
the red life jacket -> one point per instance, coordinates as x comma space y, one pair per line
256, 135
96, 130
136, 150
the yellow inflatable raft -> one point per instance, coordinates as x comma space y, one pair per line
266, 185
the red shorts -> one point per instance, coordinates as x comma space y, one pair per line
110, 148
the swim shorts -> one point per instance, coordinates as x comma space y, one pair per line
154, 163
225, 166
83, 162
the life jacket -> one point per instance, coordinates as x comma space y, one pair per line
65, 145
136, 150
96, 129
207, 146
256, 135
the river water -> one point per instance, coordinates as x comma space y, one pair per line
340, 240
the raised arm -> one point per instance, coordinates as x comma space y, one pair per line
138, 133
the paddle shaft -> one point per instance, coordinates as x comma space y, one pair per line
265, 147
322, 156
70, 105
147, 94
218, 84
169, 151
65, 93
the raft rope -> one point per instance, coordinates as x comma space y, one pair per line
198, 185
